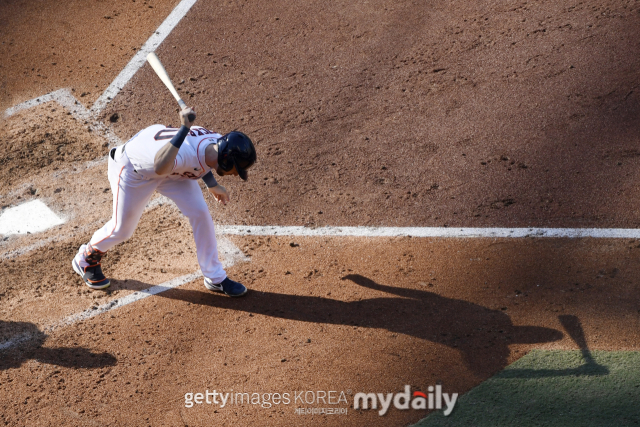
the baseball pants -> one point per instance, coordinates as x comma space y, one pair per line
132, 192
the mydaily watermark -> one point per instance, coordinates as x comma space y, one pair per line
406, 400
329, 402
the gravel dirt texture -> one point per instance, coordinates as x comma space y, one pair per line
508, 114
47, 45
415, 114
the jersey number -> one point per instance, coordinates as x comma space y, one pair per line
170, 131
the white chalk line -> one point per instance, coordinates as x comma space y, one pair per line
139, 58
64, 98
231, 256
52, 96
121, 302
18, 339
420, 232
53, 239
159, 201
445, 232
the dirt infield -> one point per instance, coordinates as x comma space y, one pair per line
322, 316
368, 113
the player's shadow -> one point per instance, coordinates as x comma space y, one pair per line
22, 341
481, 334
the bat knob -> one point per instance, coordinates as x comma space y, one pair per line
191, 117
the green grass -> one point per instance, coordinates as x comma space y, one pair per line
554, 388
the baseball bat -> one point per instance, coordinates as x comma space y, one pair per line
155, 63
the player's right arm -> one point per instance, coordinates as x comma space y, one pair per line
166, 156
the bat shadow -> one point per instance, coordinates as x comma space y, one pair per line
589, 368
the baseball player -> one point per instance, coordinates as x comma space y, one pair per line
170, 160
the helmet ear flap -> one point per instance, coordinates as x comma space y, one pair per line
224, 159
236, 149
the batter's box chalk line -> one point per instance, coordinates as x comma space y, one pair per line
444, 232
230, 255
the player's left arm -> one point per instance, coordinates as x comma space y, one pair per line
165, 157
220, 193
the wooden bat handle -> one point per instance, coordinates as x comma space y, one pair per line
182, 105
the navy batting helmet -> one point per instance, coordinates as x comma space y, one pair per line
236, 149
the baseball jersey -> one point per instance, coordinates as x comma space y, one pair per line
190, 161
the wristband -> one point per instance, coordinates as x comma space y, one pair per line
179, 137
209, 180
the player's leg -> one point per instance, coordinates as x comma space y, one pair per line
187, 195
131, 194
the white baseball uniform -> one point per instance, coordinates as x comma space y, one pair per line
133, 181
